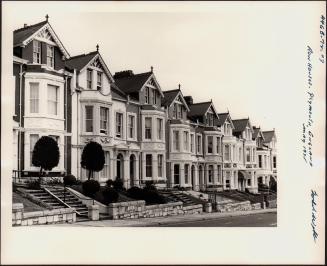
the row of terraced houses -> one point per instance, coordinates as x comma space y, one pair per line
147, 133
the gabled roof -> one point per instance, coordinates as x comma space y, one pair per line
131, 82
223, 117
256, 132
200, 109
240, 125
22, 34
268, 135
80, 62
25, 35
171, 96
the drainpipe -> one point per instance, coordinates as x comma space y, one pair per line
222, 158
21, 74
66, 113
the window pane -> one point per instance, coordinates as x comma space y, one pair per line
89, 118
104, 113
160, 161
119, 125
52, 100
148, 162
210, 144
34, 97
89, 79
148, 127
159, 125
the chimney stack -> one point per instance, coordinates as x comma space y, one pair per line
25, 25
188, 100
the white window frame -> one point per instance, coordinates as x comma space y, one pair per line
105, 130
147, 166
146, 136
99, 80
199, 149
89, 77
176, 142
208, 145
37, 52
88, 119
160, 165
50, 56
192, 142
227, 152
186, 140
159, 128
119, 125
147, 95
133, 137
186, 173
34, 101
51, 101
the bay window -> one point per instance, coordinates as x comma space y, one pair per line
148, 165
119, 125
210, 144
104, 115
89, 118
186, 144
192, 143
186, 172
160, 165
148, 127
159, 128
226, 152
248, 155
176, 140
199, 144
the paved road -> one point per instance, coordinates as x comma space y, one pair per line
251, 220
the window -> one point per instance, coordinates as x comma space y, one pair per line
52, 100
179, 110
148, 165
210, 143
260, 161
176, 173
105, 171
265, 162
186, 172
175, 111
159, 128
50, 56
119, 125
253, 155
228, 130
219, 173
218, 145
99, 80
240, 154
176, 140
160, 164
192, 143
148, 127
210, 173
104, 114
88, 118
33, 139
147, 95
210, 119
34, 97
36, 52
131, 126
226, 152
274, 162
89, 79
154, 97
186, 144
248, 157
199, 144
249, 182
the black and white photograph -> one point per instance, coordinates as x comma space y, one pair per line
201, 123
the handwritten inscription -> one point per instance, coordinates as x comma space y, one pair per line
314, 215
307, 135
322, 38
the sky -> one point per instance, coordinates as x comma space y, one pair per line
243, 56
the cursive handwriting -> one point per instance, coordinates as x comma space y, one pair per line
322, 38
314, 215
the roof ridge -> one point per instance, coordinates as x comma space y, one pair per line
200, 103
80, 55
30, 26
171, 90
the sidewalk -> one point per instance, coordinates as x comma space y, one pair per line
165, 220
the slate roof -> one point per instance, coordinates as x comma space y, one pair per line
198, 109
222, 119
268, 135
239, 125
132, 83
117, 93
256, 131
22, 34
80, 61
169, 97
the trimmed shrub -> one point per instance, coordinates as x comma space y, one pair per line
149, 185
135, 192
69, 180
110, 195
118, 184
90, 187
92, 158
148, 195
110, 183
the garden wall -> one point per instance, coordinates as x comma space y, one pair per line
271, 203
138, 209
65, 215
237, 206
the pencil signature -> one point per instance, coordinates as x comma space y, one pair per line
314, 214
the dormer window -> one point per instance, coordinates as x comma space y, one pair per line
179, 109
210, 119
50, 56
99, 80
147, 95
175, 111
36, 52
154, 97
89, 79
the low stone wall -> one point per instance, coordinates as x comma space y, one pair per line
256, 206
138, 209
231, 207
65, 215
271, 203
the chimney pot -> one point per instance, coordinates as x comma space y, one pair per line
25, 25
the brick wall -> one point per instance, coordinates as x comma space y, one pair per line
138, 209
65, 215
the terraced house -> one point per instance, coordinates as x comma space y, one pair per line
147, 133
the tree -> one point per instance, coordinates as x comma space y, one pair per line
45, 154
90, 188
92, 158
